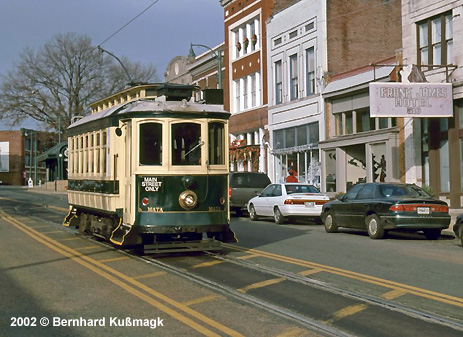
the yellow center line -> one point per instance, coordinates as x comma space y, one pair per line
347, 311
155, 274
250, 256
130, 284
202, 300
207, 264
261, 284
356, 276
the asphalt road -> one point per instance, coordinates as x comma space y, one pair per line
344, 281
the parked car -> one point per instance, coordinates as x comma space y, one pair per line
379, 207
244, 186
458, 228
282, 201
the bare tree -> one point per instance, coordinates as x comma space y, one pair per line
56, 83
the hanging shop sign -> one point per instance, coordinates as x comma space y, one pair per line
411, 100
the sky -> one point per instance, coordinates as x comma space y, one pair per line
162, 32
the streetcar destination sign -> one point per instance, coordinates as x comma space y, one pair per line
411, 100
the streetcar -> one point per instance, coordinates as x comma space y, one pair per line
149, 169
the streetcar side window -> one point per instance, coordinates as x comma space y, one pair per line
216, 144
150, 144
186, 144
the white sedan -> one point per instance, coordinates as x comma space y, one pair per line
286, 200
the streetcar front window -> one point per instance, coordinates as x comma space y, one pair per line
151, 144
216, 144
186, 144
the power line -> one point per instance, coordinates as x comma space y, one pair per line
128, 23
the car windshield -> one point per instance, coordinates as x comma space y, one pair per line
293, 188
390, 191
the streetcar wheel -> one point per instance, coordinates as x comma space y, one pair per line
330, 224
279, 218
432, 234
252, 213
374, 227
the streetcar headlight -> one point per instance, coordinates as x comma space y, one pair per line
188, 199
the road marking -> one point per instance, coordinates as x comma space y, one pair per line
202, 300
155, 274
127, 283
296, 332
207, 264
310, 272
58, 208
261, 284
114, 259
346, 312
69, 239
87, 247
452, 300
43, 226
52, 232
250, 256
390, 295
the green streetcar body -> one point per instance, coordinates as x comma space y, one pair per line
150, 171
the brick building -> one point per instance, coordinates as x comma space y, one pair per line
245, 79
19, 154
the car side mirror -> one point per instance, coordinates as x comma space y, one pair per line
340, 197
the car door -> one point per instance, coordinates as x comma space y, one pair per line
361, 204
343, 211
261, 202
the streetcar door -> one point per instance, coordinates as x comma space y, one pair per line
127, 178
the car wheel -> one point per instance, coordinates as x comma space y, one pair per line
330, 223
252, 213
374, 227
432, 234
279, 218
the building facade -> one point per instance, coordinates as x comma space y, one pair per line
19, 156
297, 62
311, 44
245, 79
432, 39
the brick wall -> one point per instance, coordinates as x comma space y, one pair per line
16, 158
361, 31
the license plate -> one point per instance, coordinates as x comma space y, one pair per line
309, 204
422, 210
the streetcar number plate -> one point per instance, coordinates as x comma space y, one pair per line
422, 210
309, 204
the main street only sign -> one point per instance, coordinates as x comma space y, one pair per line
411, 100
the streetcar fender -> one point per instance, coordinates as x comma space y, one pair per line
123, 234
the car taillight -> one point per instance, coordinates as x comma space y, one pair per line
229, 192
414, 207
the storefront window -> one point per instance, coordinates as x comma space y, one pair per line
278, 139
313, 133
378, 160
330, 169
301, 135
444, 166
290, 137
356, 165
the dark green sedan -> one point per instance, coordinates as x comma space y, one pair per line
379, 207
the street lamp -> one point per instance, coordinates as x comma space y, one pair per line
32, 148
216, 54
